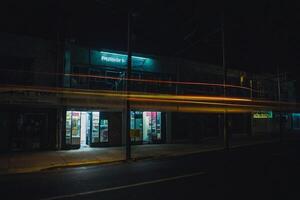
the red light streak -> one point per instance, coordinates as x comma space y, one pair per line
140, 80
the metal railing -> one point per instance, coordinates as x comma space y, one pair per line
117, 83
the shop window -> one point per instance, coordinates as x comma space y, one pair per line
103, 130
73, 127
136, 126
95, 127
86, 128
75, 131
146, 126
68, 127
296, 120
152, 127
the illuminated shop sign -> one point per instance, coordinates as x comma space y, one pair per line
296, 114
116, 59
112, 59
263, 115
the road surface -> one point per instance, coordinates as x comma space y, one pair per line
260, 172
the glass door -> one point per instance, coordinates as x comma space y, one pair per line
152, 126
98, 132
147, 131
73, 127
84, 129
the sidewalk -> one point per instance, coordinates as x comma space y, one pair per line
24, 162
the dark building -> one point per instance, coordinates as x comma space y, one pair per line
60, 96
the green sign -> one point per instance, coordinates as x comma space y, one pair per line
263, 115
296, 114
120, 60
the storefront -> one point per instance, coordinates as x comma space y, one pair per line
96, 128
91, 128
146, 127
86, 128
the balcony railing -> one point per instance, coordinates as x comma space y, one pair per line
154, 84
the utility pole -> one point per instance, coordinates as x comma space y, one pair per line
250, 130
279, 101
251, 89
225, 131
129, 57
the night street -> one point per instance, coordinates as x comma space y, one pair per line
152, 99
250, 173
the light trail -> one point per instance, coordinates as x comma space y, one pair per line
171, 102
164, 81
120, 94
191, 102
139, 80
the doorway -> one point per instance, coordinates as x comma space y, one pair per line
84, 128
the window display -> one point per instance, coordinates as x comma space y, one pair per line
68, 127
95, 127
296, 120
158, 125
103, 130
146, 126
75, 124
136, 125
76, 128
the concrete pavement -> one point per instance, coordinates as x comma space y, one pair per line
24, 162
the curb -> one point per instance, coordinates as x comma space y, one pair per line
81, 164
135, 159
58, 166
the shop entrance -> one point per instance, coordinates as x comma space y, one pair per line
85, 128
146, 127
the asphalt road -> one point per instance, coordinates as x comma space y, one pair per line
261, 172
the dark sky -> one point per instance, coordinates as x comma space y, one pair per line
259, 35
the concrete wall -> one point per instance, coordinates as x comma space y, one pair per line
27, 128
5, 124
43, 52
271, 126
239, 124
114, 128
193, 127
168, 127
29, 54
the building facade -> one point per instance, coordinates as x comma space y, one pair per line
64, 96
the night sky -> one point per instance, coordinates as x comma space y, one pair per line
259, 35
